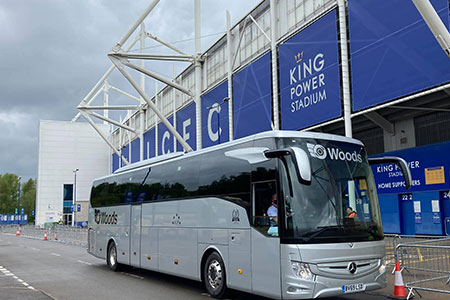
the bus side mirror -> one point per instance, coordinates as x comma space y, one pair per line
400, 162
300, 159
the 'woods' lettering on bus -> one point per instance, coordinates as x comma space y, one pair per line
102, 218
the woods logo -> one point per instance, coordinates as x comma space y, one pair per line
102, 218
321, 152
317, 151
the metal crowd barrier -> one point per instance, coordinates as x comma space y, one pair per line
425, 265
58, 233
392, 240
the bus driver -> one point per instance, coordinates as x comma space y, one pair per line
272, 211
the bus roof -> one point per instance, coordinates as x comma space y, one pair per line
267, 134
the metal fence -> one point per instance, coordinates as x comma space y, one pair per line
392, 240
64, 234
425, 264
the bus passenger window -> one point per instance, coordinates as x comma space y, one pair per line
265, 208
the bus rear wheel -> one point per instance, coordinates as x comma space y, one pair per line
111, 257
214, 276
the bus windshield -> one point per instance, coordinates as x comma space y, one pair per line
340, 204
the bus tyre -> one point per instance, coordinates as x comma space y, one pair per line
214, 276
111, 258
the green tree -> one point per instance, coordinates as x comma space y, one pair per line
9, 187
28, 198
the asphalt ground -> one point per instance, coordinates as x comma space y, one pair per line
52, 270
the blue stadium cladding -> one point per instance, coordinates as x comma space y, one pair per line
390, 57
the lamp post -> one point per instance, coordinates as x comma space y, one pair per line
216, 105
74, 198
18, 198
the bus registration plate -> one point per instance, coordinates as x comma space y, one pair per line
353, 288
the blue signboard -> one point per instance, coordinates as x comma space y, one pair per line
418, 218
135, 150
426, 164
115, 162
186, 126
149, 143
165, 138
126, 154
214, 111
78, 207
252, 98
393, 52
309, 75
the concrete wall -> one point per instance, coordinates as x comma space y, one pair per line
64, 147
404, 136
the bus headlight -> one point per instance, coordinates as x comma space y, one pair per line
301, 270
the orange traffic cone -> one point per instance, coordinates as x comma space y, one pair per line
399, 287
56, 238
18, 233
45, 236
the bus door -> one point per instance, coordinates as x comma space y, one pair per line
265, 241
135, 235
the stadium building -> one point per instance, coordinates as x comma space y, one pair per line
368, 69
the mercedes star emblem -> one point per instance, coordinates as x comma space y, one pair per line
352, 267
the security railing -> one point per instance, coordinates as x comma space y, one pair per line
392, 240
58, 233
425, 265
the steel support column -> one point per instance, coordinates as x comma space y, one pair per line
230, 78
273, 46
342, 16
198, 75
141, 111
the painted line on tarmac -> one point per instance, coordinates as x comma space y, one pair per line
6, 272
84, 262
55, 254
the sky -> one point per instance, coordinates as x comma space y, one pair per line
52, 52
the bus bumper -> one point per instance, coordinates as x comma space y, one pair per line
325, 286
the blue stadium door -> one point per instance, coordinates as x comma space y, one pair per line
407, 221
444, 198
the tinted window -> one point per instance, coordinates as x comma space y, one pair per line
68, 192
266, 170
173, 180
210, 174
226, 177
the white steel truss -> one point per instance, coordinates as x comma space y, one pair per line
121, 59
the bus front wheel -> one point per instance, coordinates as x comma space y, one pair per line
214, 276
111, 258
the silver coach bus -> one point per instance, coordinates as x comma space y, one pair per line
205, 215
